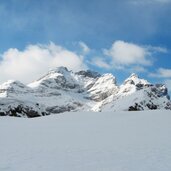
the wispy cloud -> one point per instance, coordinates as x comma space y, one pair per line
35, 60
100, 62
85, 48
156, 49
161, 73
138, 69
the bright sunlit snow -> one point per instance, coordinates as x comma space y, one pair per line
122, 141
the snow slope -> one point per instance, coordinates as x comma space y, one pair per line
61, 90
118, 141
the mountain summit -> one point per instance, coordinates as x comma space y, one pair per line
61, 90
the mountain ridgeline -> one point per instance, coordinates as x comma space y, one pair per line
61, 90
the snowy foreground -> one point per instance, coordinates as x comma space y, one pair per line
122, 141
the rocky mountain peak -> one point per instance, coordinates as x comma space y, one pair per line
135, 80
61, 70
57, 78
61, 90
133, 75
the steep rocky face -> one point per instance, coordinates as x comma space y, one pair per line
135, 80
138, 94
59, 78
61, 90
103, 87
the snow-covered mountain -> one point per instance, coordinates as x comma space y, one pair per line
61, 90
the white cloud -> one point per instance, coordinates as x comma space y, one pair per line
100, 62
138, 69
162, 73
132, 57
84, 47
125, 54
36, 60
156, 49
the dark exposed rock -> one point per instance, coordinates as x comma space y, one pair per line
160, 90
140, 86
168, 106
23, 110
131, 108
60, 109
2, 114
151, 106
80, 90
19, 109
136, 107
63, 83
168, 97
89, 73
129, 82
89, 86
66, 108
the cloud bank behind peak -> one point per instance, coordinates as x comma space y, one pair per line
35, 60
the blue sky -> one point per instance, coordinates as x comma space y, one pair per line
118, 36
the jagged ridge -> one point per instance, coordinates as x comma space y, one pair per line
61, 90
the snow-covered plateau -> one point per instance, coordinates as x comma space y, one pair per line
61, 90
87, 141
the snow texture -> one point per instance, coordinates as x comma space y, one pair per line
106, 141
